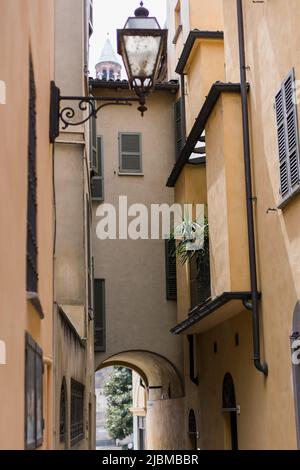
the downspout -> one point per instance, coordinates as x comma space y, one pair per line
260, 366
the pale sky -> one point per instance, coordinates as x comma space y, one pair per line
109, 15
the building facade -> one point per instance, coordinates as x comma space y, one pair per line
135, 287
26, 208
241, 372
73, 309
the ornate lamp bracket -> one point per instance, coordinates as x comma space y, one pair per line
64, 115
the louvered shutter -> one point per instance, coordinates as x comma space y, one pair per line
178, 129
93, 146
171, 277
130, 153
99, 314
97, 182
287, 134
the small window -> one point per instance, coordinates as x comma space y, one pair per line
93, 146
99, 314
179, 140
171, 277
77, 412
130, 153
32, 242
287, 135
33, 394
63, 413
97, 182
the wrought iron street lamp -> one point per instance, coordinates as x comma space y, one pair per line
142, 44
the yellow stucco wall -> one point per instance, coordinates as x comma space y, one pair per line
226, 197
30, 24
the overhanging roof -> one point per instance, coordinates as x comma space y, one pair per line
171, 86
199, 126
188, 47
213, 312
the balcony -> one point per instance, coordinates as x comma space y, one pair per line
200, 277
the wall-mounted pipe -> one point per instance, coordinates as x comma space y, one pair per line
260, 366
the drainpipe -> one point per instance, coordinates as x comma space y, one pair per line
261, 367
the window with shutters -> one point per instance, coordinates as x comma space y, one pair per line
130, 153
288, 140
171, 277
179, 141
77, 412
34, 368
97, 182
32, 242
99, 314
93, 146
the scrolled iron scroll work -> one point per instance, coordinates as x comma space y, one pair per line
87, 105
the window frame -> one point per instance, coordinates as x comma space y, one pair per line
140, 154
78, 388
102, 348
169, 279
98, 178
292, 190
38, 355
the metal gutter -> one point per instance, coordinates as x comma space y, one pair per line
199, 126
202, 311
253, 305
188, 47
172, 85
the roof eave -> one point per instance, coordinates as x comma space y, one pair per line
216, 90
188, 47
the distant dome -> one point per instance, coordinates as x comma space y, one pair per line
108, 54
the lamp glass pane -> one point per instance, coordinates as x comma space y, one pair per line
142, 52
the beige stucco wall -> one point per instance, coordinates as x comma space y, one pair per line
138, 315
30, 24
162, 436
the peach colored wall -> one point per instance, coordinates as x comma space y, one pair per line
24, 25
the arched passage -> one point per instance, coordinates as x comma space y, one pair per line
160, 376
164, 410
295, 340
230, 413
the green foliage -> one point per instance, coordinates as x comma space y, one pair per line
118, 392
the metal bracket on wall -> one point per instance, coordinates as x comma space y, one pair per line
65, 115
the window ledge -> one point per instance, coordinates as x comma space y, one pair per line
289, 198
34, 299
130, 174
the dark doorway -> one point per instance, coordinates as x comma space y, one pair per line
230, 410
295, 341
193, 430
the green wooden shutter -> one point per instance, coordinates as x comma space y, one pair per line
179, 141
130, 153
97, 182
99, 314
171, 277
287, 135
93, 146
